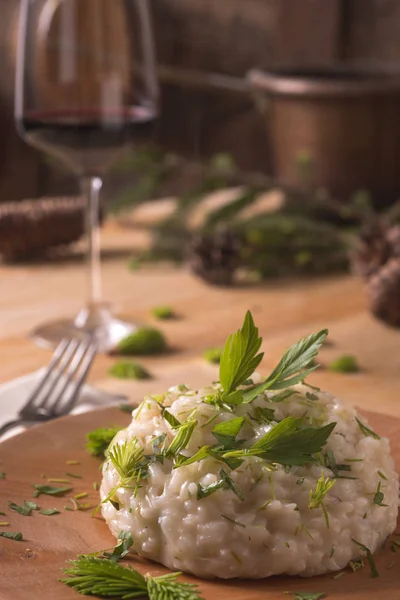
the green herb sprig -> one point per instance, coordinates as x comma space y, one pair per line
99, 577
318, 495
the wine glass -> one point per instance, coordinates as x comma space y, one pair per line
86, 86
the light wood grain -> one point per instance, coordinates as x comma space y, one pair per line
34, 564
284, 311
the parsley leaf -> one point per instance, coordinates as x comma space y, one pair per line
287, 443
99, 577
292, 368
239, 358
25, 509
12, 535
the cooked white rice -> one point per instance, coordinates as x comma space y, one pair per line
272, 531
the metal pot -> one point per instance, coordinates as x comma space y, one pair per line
346, 121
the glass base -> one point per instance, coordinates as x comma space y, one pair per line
94, 320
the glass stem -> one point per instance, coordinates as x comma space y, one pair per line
91, 187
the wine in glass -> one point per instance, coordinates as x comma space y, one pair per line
86, 87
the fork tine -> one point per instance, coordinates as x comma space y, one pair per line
82, 371
60, 351
84, 350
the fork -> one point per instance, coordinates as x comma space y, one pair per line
57, 391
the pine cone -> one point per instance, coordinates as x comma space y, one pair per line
31, 227
215, 257
378, 261
383, 290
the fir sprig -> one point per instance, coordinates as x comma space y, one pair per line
97, 577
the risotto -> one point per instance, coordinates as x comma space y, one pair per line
291, 482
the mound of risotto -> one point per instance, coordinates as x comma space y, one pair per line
249, 478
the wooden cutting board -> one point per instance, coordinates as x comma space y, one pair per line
33, 566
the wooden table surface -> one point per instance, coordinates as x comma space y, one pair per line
284, 311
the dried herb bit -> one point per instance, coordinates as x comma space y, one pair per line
370, 559
2, 475
12, 535
26, 509
163, 313
122, 548
344, 364
129, 370
48, 512
49, 490
144, 341
287, 443
213, 355
99, 577
379, 496
309, 595
98, 440
318, 495
367, 431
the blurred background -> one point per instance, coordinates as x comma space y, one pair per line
316, 131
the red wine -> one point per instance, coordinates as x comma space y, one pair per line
87, 139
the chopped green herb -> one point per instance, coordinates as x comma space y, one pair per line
213, 355
382, 475
4, 523
204, 452
370, 559
96, 486
80, 496
344, 364
225, 433
129, 370
338, 575
25, 509
395, 544
182, 438
204, 491
367, 431
49, 512
128, 408
12, 535
300, 481
122, 548
50, 490
356, 565
233, 521
98, 440
95, 576
2, 475
57, 480
232, 485
318, 495
74, 475
3, 514
163, 312
171, 419
73, 462
144, 341
379, 496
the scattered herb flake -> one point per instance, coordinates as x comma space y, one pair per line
379, 496
356, 565
382, 475
370, 559
344, 364
73, 475
122, 548
49, 512
163, 313
81, 496
233, 521
144, 341
128, 408
57, 480
309, 595
213, 355
4, 523
2, 475
73, 462
3, 514
232, 485
367, 431
12, 535
394, 545
50, 490
125, 369
204, 491
96, 486
25, 510
338, 575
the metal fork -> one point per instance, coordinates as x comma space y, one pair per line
57, 391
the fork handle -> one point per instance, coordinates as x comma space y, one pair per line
10, 425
